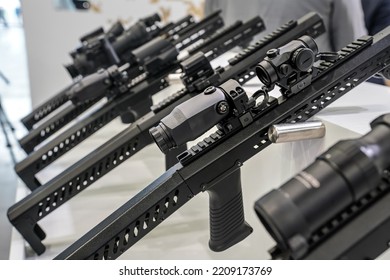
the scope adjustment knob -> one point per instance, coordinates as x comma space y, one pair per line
272, 53
210, 90
303, 59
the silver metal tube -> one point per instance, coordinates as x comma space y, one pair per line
289, 132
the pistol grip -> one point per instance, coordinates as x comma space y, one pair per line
227, 221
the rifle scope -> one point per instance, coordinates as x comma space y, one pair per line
194, 117
286, 62
338, 178
102, 49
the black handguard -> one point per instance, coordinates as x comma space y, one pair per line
105, 82
92, 86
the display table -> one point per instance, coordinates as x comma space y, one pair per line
185, 234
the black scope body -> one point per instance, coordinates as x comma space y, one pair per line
132, 38
285, 62
156, 54
115, 30
338, 178
91, 86
101, 50
197, 115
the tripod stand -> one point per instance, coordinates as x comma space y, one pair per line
4, 122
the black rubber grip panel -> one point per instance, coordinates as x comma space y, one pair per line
139, 101
227, 222
51, 126
45, 109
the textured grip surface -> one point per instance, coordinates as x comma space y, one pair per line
227, 221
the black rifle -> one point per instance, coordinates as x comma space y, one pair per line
59, 99
153, 57
213, 165
353, 176
194, 66
214, 46
136, 137
101, 50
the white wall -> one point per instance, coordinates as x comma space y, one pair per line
51, 34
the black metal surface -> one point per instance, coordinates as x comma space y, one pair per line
63, 143
52, 125
359, 233
238, 32
203, 29
59, 99
137, 101
187, 35
46, 108
25, 211
172, 28
353, 176
334, 81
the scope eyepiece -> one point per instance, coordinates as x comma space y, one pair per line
162, 138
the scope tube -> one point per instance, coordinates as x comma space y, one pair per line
339, 177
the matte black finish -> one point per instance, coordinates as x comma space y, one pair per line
227, 222
189, 119
192, 34
343, 176
292, 61
213, 157
40, 133
102, 49
58, 100
216, 158
41, 158
135, 138
46, 108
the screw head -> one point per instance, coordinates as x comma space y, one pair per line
222, 107
272, 53
209, 90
